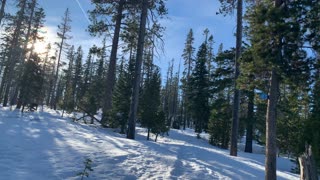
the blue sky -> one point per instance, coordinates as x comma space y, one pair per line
183, 15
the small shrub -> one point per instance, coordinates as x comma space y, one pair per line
87, 167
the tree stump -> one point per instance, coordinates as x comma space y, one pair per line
308, 170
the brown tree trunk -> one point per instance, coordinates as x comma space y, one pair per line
112, 64
271, 144
236, 98
271, 147
137, 73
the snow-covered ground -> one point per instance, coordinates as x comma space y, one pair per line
42, 145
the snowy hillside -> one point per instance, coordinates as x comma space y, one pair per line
41, 145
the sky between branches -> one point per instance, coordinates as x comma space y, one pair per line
183, 15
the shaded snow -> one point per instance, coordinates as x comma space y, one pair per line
42, 145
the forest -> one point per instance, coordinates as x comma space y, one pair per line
266, 88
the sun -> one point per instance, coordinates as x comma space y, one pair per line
41, 45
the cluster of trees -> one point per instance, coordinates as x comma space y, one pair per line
61, 80
272, 77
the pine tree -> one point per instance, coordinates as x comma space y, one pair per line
63, 29
77, 76
199, 91
311, 129
137, 75
31, 82
150, 103
276, 37
187, 55
221, 114
226, 8
122, 93
14, 50
68, 103
111, 74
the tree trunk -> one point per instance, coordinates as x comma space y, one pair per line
23, 55
155, 140
63, 37
250, 121
3, 5
3, 83
12, 57
308, 170
271, 144
112, 64
136, 78
236, 98
271, 147
148, 136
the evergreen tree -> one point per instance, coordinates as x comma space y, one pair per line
150, 103
312, 125
63, 29
137, 75
228, 7
199, 91
276, 37
111, 74
77, 76
188, 53
68, 103
17, 26
122, 93
31, 82
220, 119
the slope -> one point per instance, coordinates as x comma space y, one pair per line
42, 145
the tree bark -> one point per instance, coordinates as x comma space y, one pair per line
3, 5
250, 121
148, 136
137, 73
271, 147
112, 64
308, 170
236, 97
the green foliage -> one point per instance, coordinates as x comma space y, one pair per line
151, 118
87, 168
220, 123
31, 82
312, 125
77, 76
159, 126
68, 104
291, 121
198, 91
188, 57
221, 109
277, 37
121, 95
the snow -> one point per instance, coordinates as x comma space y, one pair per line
42, 145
